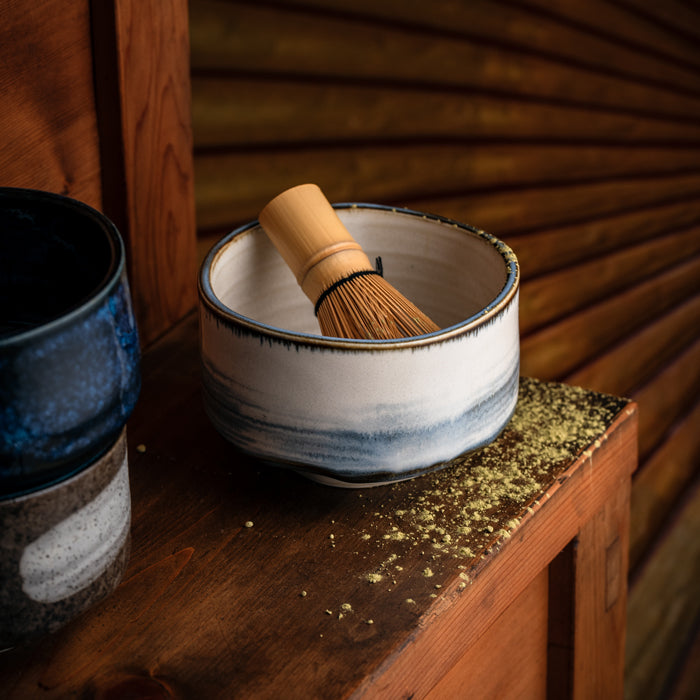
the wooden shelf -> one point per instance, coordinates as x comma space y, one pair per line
504, 572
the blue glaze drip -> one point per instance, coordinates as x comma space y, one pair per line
350, 454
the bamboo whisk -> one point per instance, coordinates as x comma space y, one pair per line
352, 300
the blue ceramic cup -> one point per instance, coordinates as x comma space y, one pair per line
69, 347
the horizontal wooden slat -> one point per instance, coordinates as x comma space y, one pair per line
564, 243
618, 23
661, 481
228, 36
524, 210
243, 111
552, 248
245, 181
509, 213
518, 27
663, 604
686, 680
666, 398
641, 355
675, 17
558, 349
550, 297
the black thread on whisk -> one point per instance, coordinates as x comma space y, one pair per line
329, 290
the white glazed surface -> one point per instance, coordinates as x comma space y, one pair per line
363, 411
75, 552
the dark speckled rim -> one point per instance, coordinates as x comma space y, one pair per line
500, 301
23, 197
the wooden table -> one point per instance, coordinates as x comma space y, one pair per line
502, 575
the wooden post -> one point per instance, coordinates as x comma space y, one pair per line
142, 87
600, 600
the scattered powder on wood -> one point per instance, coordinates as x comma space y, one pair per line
464, 510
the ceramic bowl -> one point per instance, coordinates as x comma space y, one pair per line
362, 412
64, 547
69, 350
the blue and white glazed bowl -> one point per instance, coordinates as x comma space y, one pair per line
69, 348
362, 412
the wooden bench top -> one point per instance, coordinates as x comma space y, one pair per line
250, 581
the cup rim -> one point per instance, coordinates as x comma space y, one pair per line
500, 301
111, 277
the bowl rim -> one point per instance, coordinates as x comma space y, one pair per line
500, 301
99, 293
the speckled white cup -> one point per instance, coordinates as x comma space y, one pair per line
359, 412
63, 548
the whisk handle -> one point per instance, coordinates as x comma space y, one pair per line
312, 239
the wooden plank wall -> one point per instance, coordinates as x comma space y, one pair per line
569, 129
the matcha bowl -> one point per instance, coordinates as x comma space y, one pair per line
362, 412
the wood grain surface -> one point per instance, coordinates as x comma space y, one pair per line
48, 122
144, 95
248, 581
